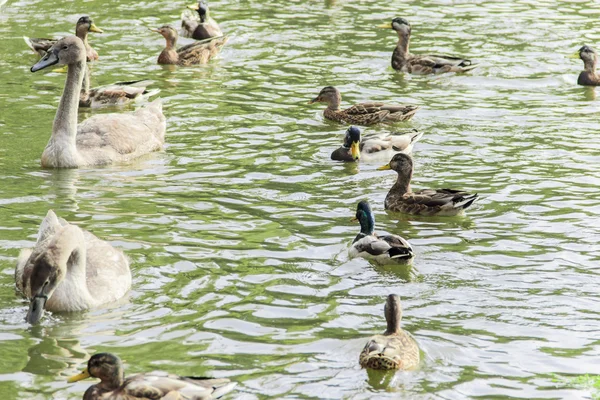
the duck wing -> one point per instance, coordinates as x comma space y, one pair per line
434, 64
200, 52
118, 93
157, 385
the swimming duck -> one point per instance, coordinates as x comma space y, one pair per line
69, 269
149, 386
200, 26
364, 113
83, 26
396, 348
588, 77
440, 202
119, 93
383, 249
422, 64
102, 139
374, 148
196, 53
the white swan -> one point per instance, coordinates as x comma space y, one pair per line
102, 139
70, 269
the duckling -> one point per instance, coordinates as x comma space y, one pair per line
374, 148
589, 76
423, 64
396, 348
364, 113
439, 202
69, 269
200, 26
83, 26
102, 139
383, 249
146, 386
196, 53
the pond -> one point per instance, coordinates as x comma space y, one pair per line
238, 231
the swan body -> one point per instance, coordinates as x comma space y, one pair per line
70, 269
102, 139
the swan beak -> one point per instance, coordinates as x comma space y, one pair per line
193, 7
49, 59
574, 55
83, 375
94, 28
384, 167
386, 26
36, 309
355, 150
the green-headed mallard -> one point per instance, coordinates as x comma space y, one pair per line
146, 386
196, 53
383, 249
83, 26
376, 148
364, 113
102, 139
396, 348
422, 64
588, 77
69, 269
200, 26
442, 202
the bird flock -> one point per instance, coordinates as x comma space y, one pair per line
70, 269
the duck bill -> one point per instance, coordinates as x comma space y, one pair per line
155, 30
94, 28
313, 101
81, 376
574, 55
355, 150
354, 219
385, 26
62, 70
49, 59
384, 167
193, 7
36, 309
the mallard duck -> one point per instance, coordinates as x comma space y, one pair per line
374, 148
200, 26
442, 202
364, 113
196, 53
383, 249
422, 64
149, 386
102, 139
69, 269
588, 77
83, 26
396, 348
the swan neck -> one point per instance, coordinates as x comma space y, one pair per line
64, 129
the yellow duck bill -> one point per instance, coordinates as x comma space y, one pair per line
355, 150
94, 28
80, 376
386, 26
384, 167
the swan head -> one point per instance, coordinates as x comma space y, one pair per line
105, 366
68, 50
45, 277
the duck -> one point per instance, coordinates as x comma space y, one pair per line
200, 26
145, 386
69, 269
102, 139
363, 113
374, 148
383, 249
428, 202
199, 52
395, 348
423, 64
589, 76
83, 26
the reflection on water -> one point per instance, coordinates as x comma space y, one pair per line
237, 232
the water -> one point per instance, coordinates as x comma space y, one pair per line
237, 232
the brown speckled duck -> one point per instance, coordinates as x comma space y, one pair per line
422, 64
363, 113
396, 348
196, 53
200, 26
589, 76
440, 202
83, 26
149, 386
